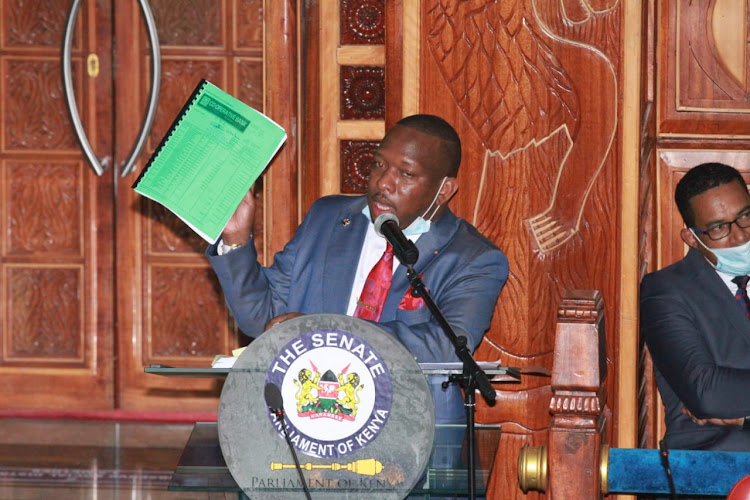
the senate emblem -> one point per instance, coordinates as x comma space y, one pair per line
336, 389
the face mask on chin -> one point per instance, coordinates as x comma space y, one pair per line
420, 225
731, 260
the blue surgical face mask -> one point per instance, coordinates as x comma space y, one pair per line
420, 225
732, 260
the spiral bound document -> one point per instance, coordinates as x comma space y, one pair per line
212, 154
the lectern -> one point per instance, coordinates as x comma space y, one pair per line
358, 420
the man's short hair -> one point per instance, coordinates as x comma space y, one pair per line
437, 127
700, 179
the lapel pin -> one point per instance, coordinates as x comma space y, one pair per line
345, 222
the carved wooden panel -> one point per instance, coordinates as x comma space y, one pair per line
345, 90
34, 114
362, 93
186, 318
534, 89
704, 76
356, 160
45, 316
197, 23
249, 24
33, 23
57, 219
45, 206
362, 22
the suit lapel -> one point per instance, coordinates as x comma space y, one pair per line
342, 257
707, 278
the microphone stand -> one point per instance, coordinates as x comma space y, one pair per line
471, 379
279, 414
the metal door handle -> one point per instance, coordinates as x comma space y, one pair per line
70, 97
153, 97
96, 164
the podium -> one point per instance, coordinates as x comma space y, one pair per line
358, 411
202, 468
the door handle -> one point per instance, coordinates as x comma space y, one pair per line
97, 165
153, 97
70, 97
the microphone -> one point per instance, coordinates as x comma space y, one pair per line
275, 403
386, 225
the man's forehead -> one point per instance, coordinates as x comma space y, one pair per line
416, 148
721, 202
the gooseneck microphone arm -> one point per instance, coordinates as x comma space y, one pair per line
472, 378
275, 403
460, 343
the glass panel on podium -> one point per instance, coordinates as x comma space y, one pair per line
202, 467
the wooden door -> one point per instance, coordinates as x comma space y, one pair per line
56, 252
97, 282
169, 308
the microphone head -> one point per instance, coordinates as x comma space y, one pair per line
382, 219
272, 393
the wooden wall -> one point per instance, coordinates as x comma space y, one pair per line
577, 119
535, 90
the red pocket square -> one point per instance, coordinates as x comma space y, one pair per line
410, 302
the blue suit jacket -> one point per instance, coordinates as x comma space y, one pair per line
315, 271
699, 339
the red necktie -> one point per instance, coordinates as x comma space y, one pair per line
370, 303
741, 294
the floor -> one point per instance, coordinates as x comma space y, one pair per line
89, 459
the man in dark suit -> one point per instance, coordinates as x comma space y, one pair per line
693, 318
324, 267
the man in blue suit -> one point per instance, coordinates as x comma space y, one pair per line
698, 333
324, 267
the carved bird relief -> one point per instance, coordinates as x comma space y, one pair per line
523, 72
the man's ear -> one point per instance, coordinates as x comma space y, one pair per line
689, 238
450, 186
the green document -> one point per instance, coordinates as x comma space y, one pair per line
212, 154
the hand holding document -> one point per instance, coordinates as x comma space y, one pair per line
214, 151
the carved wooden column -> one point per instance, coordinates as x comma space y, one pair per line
578, 397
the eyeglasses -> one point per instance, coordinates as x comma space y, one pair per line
723, 229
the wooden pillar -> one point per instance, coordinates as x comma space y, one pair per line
578, 397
